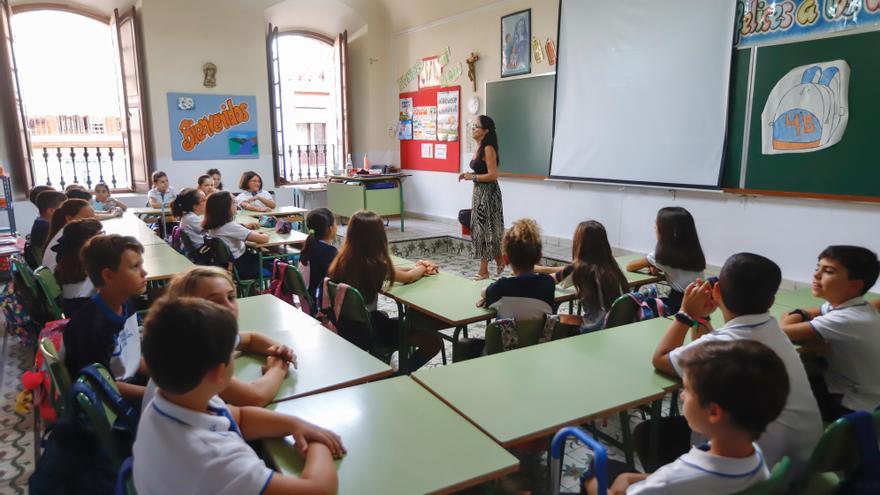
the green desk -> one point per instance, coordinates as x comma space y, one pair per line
524, 394
129, 225
280, 211
804, 298
162, 262
639, 278
400, 440
347, 195
325, 360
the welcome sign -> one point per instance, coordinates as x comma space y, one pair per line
212, 127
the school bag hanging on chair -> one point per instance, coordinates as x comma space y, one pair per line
865, 479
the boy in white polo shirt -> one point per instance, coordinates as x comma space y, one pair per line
732, 390
188, 440
847, 327
744, 292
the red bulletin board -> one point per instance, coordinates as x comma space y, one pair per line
411, 150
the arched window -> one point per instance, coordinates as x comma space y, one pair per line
310, 109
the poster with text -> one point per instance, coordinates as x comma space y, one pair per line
425, 123
447, 115
405, 127
212, 127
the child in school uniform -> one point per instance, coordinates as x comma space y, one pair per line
216, 285
216, 177
526, 295
161, 194
189, 440
252, 196
318, 252
188, 207
365, 264
744, 292
103, 201
847, 327
219, 222
732, 391
70, 210
678, 253
47, 202
105, 329
76, 288
35, 191
205, 184
594, 273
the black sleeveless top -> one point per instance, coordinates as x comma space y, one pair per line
479, 166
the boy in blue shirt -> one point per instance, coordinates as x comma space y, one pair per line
47, 202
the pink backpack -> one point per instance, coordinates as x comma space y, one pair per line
330, 318
276, 285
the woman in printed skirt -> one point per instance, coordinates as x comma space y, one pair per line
487, 215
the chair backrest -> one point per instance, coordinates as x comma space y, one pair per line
51, 291
772, 485
189, 249
27, 274
58, 374
354, 322
528, 332
101, 415
836, 452
624, 310
294, 283
33, 254
354, 309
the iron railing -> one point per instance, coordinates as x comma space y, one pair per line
85, 165
308, 162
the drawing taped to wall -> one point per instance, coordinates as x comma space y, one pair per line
807, 110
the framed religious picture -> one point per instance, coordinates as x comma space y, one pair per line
516, 39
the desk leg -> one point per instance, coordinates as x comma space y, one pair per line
260, 266
400, 188
626, 439
654, 434
402, 341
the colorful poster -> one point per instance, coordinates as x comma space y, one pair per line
405, 80
447, 115
807, 110
425, 123
405, 126
212, 127
763, 21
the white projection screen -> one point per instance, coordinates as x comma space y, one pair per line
642, 91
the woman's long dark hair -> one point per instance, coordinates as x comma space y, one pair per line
364, 261
70, 269
318, 222
185, 202
490, 139
595, 271
678, 244
212, 172
218, 210
69, 208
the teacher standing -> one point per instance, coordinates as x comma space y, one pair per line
487, 215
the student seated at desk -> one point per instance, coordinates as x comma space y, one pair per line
594, 273
103, 201
105, 329
70, 210
252, 196
846, 328
318, 252
365, 264
216, 285
526, 295
678, 253
732, 391
47, 202
161, 194
76, 191
188, 440
188, 207
216, 177
744, 292
205, 184
219, 222
76, 288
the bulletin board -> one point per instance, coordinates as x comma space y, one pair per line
446, 134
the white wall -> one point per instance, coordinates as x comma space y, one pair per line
789, 231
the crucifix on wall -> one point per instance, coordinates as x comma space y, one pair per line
471, 63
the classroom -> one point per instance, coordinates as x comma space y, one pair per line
408, 246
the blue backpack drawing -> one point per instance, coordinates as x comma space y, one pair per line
808, 114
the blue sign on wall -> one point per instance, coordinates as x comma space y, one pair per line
771, 21
212, 127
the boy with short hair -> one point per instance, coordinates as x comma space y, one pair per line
105, 329
161, 193
732, 390
35, 191
47, 202
847, 327
188, 440
744, 292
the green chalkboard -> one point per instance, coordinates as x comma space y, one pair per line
523, 113
847, 169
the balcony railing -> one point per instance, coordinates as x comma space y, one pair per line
308, 162
85, 165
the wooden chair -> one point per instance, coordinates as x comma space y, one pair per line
51, 291
58, 374
833, 460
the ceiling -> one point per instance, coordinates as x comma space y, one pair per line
406, 14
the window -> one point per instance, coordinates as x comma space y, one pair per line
80, 97
308, 88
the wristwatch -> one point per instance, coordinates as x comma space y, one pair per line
474, 178
686, 319
804, 315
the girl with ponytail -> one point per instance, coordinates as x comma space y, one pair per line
318, 252
188, 207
